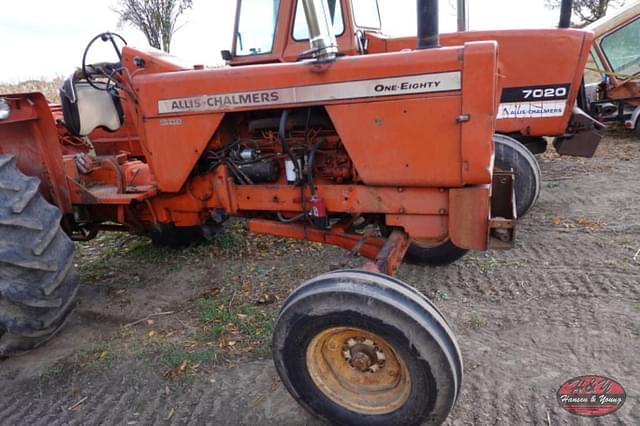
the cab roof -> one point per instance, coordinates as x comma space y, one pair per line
608, 23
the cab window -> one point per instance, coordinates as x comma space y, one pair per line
594, 71
366, 14
300, 28
621, 49
256, 27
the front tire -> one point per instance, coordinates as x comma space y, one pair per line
356, 347
38, 283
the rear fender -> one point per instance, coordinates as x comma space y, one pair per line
29, 133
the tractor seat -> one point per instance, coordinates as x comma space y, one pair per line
86, 108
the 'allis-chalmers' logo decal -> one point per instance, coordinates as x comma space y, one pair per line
534, 101
394, 86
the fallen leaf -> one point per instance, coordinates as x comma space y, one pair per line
103, 355
152, 333
266, 299
151, 322
171, 413
488, 291
557, 221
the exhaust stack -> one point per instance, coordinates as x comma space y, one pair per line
428, 31
463, 15
321, 36
565, 13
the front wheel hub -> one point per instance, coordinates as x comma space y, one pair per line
366, 376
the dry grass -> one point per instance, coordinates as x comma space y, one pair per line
48, 87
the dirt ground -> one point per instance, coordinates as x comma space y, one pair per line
181, 337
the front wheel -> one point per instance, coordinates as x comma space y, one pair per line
356, 347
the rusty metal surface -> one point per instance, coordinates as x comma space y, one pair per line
30, 134
502, 223
368, 247
392, 252
469, 217
358, 370
585, 137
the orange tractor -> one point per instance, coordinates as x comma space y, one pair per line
329, 148
541, 73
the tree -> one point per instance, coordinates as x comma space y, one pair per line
587, 11
157, 19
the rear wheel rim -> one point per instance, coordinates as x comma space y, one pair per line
358, 370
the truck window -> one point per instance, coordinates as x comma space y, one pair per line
366, 14
256, 27
300, 28
621, 49
594, 71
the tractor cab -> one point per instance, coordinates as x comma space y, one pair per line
279, 32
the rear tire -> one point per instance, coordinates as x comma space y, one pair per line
441, 255
511, 154
326, 326
38, 283
181, 237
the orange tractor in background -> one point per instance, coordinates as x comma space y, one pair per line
329, 148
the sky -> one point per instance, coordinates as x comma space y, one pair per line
41, 39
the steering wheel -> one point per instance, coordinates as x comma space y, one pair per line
105, 69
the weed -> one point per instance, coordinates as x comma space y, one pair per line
441, 295
246, 325
228, 241
175, 356
475, 322
210, 311
52, 373
486, 263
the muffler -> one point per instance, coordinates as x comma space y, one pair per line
566, 8
321, 36
428, 30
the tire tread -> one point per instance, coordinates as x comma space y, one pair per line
38, 283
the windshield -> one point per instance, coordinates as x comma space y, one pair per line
622, 49
300, 28
366, 13
256, 27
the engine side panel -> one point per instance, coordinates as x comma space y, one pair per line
365, 97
